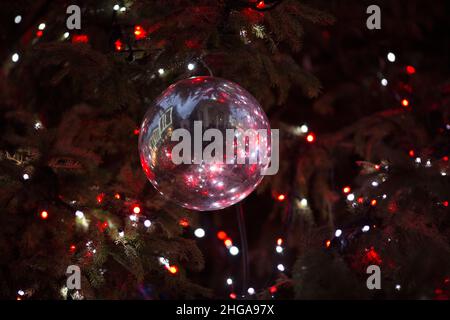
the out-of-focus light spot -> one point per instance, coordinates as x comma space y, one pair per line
410, 69
17, 19
338, 233
328, 243
228, 243
251, 291
375, 184
41, 26
147, 223
229, 281
116, 7
191, 66
234, 251
350, 197
221, 235
281, 197
391, 57
161, 71
199, 233
136, 209
25, 176
405, 102
384, 82
346, 189
79, 214
279, 249
310, 138
365, 228
44, 214
304, 128
280, 267
373, 202
15, 57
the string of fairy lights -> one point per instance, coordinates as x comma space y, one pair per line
137, 218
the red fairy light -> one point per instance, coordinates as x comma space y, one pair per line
279, 241
281, 197
273, 289
228, 243
73, 248
184, 222
445, 158
373, 257
136, 209
221, 235
100, 197
346, 189
80, 38
411, 153
119, 45
173, 269
377, 167
373, 202
139, 32
261, 5
410, 70
44, 215
405, 102
39, 33
117, 196
360, 200
233, 295
445, 203
136, 132
328, 243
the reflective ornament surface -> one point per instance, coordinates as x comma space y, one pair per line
192, 106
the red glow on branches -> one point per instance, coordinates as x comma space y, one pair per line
373, 257
221, 235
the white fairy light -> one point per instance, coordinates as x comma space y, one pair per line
398, 287
303, 203
41, 26
418, 160
199, 233
15, 57
191, 66
375, 184
229, 281
20, 292
147, 223
384, 196
79, 214
384, 82
365, 228
428, 163
18, 19
338, 233
304, 128
26, 176
66, 35
133, 217
161, 71
123, 9
234, 250
391, 57
280, 267
279, 249
251, 291
121, 234
350, 197
116, 7
443, 173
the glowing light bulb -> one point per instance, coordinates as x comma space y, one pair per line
384, 82
147, 223
15, 57
350, 197
391, 57
161, 71
133, 217
303, 203
25, 176
123, 9
279, 249
251, 291
338, 233
66, 35
121, 234
374, 184
18, 19
79, 214
229, 281
116, 7
365, 228
199, 233
234, 250
191, 66
280, 267
41, 26
304, 128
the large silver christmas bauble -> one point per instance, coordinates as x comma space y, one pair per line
211, 103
